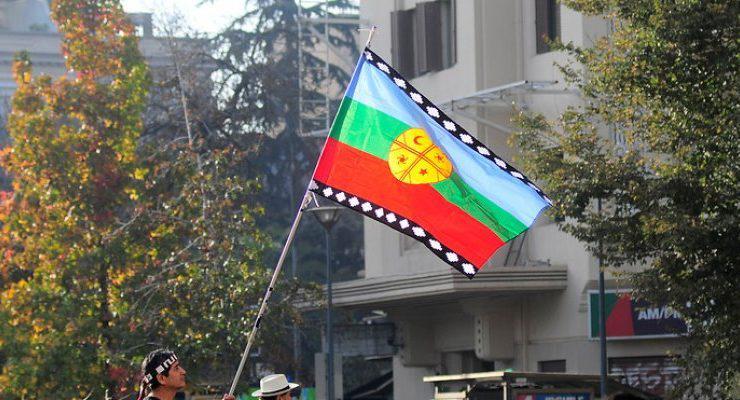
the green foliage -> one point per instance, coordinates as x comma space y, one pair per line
73, 165
657, 141
114, 243
207, 277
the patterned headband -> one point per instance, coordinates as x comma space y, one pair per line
166, 364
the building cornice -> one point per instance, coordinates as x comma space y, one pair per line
446, 285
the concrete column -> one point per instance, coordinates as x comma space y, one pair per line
319, 360
417, 338
408, 381
494, 329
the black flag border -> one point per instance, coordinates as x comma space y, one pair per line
396, 222
445, 122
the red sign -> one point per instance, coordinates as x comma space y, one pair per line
628, 318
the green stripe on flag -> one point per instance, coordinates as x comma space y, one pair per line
366, 128
373, 131
456, 191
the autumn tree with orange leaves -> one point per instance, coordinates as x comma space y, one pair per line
74, 169
114, 242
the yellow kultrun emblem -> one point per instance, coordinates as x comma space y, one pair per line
415, 159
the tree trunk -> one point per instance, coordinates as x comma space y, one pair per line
105, 318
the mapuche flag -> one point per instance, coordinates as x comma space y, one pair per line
393, 156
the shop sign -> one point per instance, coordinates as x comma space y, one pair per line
628, 318
554, 394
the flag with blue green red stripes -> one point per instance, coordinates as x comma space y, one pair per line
395, 157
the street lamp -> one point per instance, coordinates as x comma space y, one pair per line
328, 217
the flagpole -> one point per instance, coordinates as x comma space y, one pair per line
372, 30
304, 204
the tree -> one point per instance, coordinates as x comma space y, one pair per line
116, 243
656, 144
199, 209
258, 67
74, 169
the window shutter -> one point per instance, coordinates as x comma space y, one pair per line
449, 33
428, 36
541, 25
402, 51
553, 24
547, 22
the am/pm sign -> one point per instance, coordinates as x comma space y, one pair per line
553, 394
628, 318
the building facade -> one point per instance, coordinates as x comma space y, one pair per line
26, 25
528, 310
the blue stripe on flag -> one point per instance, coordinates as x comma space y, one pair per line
373, 88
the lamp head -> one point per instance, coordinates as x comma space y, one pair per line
327, 216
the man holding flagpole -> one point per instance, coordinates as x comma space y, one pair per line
163, 376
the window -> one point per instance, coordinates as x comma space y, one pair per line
449, 32
547, 23
551, 366
142, 23
423, 38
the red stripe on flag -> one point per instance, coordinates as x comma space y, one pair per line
364, 175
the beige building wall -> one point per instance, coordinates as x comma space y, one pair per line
496, 45
26, 25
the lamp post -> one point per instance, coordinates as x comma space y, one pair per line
328, 217
602, 320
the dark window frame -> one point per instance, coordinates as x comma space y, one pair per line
424, 38
552, 365
449, 33
402, 42
547, 24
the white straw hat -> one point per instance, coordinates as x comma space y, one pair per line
273, 385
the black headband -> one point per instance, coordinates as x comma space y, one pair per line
160, 369
275, 392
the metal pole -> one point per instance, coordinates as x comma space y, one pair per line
329, 325
293, 252
370, 35
300, 68
327, 102
294, 263
329, 322
602, 318
270, 288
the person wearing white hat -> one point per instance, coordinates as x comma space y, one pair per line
275, 387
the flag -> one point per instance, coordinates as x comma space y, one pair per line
395, 157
